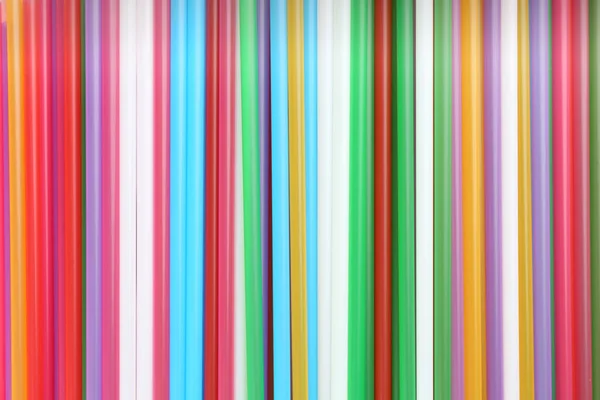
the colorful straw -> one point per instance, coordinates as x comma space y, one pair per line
18, 289
383, 199
5, 378
540, 198
594, 68
442, 208
424, 206
83, 124
324, 100
128, 198
493, 205
212, 202
264, 126
582, 339
194, 201
473, 198
280, 201
161, 198
226, 210
458, 345
251, 181
177, 229
404, 360
360, 267
297, 200
93, 204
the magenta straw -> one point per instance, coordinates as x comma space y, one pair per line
540, 196
93, 196
458, 381
493, 199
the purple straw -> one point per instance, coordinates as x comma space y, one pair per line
264, 101
540, 197
93, 204
458, 381
493, 196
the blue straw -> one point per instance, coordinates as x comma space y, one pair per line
280, 202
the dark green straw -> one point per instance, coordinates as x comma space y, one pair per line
403, 210
361, 257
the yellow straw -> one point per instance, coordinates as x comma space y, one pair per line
297, 199
473, 206
525, 255
17, 201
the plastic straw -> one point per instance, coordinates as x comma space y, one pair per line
297, 199
82, 133
264, 126
93, 204
458, 344
360, 313
473, 198
540, 198
226, 210
525, 250
195, 136
424, 194
493, 204
145, 203
5, 378
404, 362
594, 68
251, 181
340, 199
442, 208
383, 199
325, 76
510, 190
212, 202
18, 288
280, 202
177, 203
582, 339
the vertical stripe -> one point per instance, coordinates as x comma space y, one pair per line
4, 216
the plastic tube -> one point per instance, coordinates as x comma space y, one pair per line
18, 255
493, 204
540, 198
458, 344
145, 203
177, 190
5, 379
383, 199
404, 362
340, 199
360, 312
594, 68
510, 190
325, 76
582, 339
226, 181
212, 202
93, 203
195, 157
82, 133
251, 180
473, 198
526, 366
442, 202
280, 201
424, 195
264, 126
297, 199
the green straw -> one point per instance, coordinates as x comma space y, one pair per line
251, 178
442, 206
361, 312
594, 26
403, 210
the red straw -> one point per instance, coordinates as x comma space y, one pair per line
226, 170
210, 325
4, 244
162, 16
